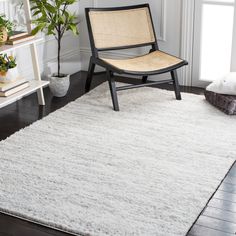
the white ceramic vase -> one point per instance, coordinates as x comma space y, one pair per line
11, 75
59, 85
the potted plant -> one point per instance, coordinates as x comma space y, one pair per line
54, 18
8, 68
6, 28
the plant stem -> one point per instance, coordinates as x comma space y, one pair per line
59, 51
59, 57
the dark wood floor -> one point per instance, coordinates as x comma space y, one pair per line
217, 219
219, 216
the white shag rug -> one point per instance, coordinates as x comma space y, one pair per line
146, 170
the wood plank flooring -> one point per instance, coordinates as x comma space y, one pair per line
219, 216
217, 219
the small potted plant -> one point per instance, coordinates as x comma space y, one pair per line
8, 68
6, 28
54, 18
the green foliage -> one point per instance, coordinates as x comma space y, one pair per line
6, 63
54, 18
5, 23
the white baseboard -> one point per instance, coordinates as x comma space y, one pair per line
70, 64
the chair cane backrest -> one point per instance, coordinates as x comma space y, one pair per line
114, 28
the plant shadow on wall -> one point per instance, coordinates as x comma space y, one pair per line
18, 15
54, 18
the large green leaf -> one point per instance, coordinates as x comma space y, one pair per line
38, 28
73, 28
50, 8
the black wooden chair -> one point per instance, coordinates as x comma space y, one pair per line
124, 28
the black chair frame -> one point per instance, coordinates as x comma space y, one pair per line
110, 70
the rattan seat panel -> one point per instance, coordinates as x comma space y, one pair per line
147, 63
121, 28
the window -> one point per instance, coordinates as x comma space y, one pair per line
214, 38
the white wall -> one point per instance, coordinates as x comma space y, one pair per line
47, 50
167, 20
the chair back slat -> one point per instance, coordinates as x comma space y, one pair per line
121, 28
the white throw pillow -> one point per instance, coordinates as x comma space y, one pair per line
226, 85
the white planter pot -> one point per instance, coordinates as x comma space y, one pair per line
11, 75
59, 85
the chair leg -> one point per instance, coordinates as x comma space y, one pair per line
112, 86
144, 79
174, 76
89, 76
